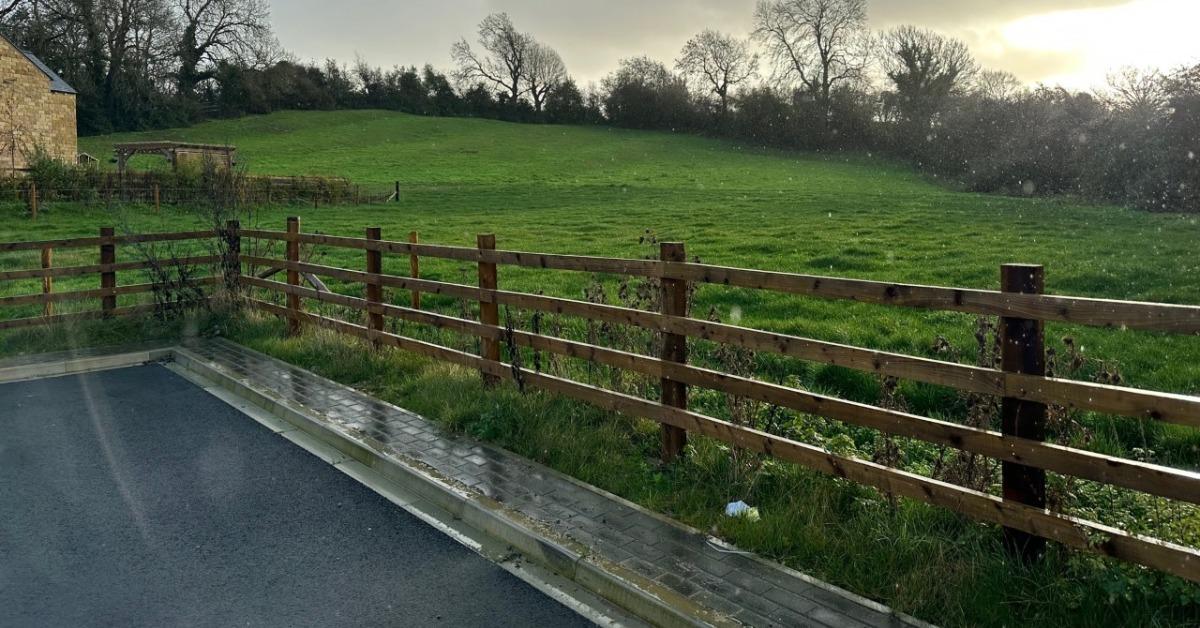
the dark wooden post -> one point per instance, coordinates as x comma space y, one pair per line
397, 191
1023, 350
674, 349
414, 264
108, 278
157, 198
33, 201
374, 288
233, 256
489, 311
293, 274
47, 280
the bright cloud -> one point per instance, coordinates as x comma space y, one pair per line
1072, 42
1143, 33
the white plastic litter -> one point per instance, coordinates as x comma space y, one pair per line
741, 509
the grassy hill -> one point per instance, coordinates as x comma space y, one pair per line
596, 190
599, 190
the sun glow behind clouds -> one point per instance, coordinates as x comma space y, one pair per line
1142, 33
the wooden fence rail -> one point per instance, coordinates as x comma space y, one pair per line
106, 272
1021, 382
1077, 310
1019, 445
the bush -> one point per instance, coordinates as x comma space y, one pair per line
59, 180
644, 94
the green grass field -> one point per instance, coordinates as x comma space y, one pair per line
598, 191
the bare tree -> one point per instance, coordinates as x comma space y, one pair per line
213, 29
816, 44
996, 85
719, 62
926, 68
12, 132
9, 6
1135, 89
136, 45
503, 59
544, 70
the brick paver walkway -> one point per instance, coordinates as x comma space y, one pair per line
742, 587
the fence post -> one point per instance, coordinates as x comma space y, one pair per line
1023, 350
674, 349
293, 274
108, 278
374, 288
489, 311
157, 206
397, 191
33, 201
233, 256
47, 280
414, 264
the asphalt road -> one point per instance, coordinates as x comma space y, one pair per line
133, 498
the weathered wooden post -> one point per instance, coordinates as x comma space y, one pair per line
293, 274
47, 280
374, 285
414, 264
157, 198
108, 278
33, 200
1023, 350
233, 257
674, 349
397, 191
489, 311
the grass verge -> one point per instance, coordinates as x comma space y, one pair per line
919, 559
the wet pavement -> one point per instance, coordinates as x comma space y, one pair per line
732, 583
133, 498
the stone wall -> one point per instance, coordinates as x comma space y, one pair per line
39, 117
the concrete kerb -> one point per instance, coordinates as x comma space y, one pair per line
850, 598
636, 594
71, 363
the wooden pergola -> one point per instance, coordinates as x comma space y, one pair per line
175, 152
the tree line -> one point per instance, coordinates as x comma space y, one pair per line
812, 75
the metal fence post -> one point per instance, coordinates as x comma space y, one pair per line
293, 274
1023, 350
489, 311
108, 278
674, 349
374, 287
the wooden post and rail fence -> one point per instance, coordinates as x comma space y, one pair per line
1021, 306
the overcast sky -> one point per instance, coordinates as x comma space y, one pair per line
1072, 42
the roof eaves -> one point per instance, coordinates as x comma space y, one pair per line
57, 84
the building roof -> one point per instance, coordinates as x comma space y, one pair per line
170, 144
57, 84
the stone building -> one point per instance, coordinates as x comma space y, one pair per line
37, 110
